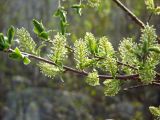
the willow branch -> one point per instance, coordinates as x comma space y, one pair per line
131, 15
120, 77
142, 86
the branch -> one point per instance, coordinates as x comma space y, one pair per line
120, 77
132, 15
142, 86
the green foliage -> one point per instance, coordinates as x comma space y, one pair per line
111, 87
155, 110
49, 70
59, 49
10, 34
78, 8
26, 60
92, 78
61, 13
40, 30
4, 45
17, 55
151, 6
26, 43
5, 41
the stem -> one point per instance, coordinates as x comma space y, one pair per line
59, 3
141, 86
120, 77
132, 15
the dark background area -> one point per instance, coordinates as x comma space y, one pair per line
25, 94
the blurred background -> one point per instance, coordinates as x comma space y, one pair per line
25, 94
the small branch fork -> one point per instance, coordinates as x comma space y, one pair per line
120, 77
132, 15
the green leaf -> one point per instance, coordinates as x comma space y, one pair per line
26, 60
17, 51
10, 34
16, 54
4, 45
38, 27
44, 35
155, 110
78, 8
61, 13
63, 19
63, 27
2, 41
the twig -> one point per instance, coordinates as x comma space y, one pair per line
141, 86
120, 77
150, 16
132, 15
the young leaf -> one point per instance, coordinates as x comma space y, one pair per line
44, 35
78, 8
26, 60
4, 45
63, 19
38, 27
16, 55
10, 34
